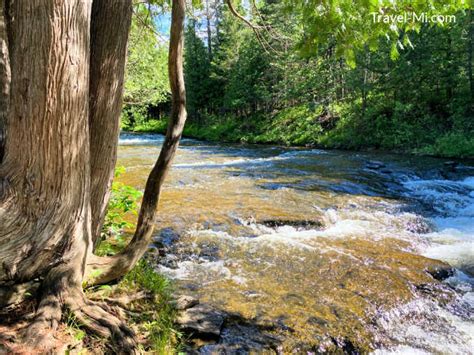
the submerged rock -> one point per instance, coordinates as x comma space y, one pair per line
440, 272
451, 165
418, 225
469, 269
185, 302
166, 238
202, 321
374, 165
303, 224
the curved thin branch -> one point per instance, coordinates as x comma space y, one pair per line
240, 17
255, 28
101, 270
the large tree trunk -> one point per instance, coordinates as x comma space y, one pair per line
62, 118
45, 190
44, 213
114, 267
110, 26
4, 74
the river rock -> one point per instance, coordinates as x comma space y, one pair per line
240, 336
185, 302
468, 268
451, 165
303, 224
214, 349
166, 238
418, 225
374, 165
441, 272
202, 321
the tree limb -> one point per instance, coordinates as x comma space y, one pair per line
105, 269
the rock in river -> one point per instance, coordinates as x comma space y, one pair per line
374, 165
185, 302
299, 224
202, 321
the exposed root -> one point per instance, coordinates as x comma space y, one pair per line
40, 333
96, 317
124, 301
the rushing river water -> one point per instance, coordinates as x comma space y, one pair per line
310, 250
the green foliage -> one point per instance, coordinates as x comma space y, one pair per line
451, 145
134, 115
325, 73
123, 202
381, 94
196, 71
146, 75
222, 130
352, 25
292, 126
152, 125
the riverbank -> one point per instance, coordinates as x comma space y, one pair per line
299, 127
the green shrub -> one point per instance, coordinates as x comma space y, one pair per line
123, 201
455, 144
151, 125
133, 115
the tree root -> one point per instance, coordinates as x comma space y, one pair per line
96, 317
123, 301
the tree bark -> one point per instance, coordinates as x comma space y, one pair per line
105, 269
45, 178
5, 76
110, 26
53, 124
44, 195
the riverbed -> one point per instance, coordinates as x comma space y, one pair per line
306, 250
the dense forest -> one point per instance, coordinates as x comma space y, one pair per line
414, 93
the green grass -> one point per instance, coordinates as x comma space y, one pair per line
152, 125
74, 327
155, 316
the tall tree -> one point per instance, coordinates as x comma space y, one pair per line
64, 111
4, 74
196, 71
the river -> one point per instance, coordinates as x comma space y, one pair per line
307, 250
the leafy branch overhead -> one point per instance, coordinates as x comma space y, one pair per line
352, 25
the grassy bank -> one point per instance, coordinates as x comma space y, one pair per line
146, 297
143, 294
398, 129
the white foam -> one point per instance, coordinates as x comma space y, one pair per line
428, 328
250, 160
401, 350
141, 139
453, 241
